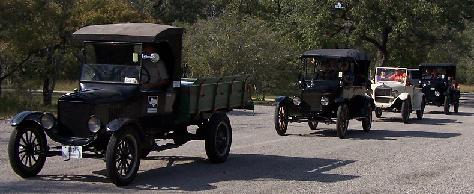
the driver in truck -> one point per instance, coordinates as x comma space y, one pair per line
158, 77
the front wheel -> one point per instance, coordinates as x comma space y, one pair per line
121, 158
218, 138
405, 112
313, 125
446, 105
378, 112
342, 121
367, 122
27, 150
419, 113
281, 119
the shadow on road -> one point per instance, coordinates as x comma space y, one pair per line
392, 135
425, 120
200, 175
243, 113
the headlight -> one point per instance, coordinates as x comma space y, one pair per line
324, 101
47, 120
437, 93
296, 101
94, 124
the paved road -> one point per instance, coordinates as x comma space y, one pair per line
434, 155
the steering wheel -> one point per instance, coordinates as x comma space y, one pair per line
145, 77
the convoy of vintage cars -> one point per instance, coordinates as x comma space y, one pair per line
121, 108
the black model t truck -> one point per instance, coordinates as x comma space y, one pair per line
333, 85
439, 85
113, 117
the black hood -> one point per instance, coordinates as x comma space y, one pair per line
98, 96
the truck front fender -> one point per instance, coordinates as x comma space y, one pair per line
403, 96
117, 124
19, 118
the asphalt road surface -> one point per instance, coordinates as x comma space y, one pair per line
434, 155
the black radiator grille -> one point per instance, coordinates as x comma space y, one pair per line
383, 92
73, 117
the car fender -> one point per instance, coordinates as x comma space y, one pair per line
21, 117
403, 96
117, 124
281, 99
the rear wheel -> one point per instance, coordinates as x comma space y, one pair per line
419, 113
121, 158
367, 122
218, 138
378, 112
405, 112
281, 119
342, 120
27, 150
456, 106
446, 105
313, 125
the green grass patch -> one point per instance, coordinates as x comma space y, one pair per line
11, 103
467, 88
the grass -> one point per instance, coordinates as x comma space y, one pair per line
467, 88
13, 103
66, 85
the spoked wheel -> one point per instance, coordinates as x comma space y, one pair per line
281, 119
405, 112
378, 112
27, 150
446, 105
342, 121
313, 125
419, 113
122, 157
218, 138
367, 122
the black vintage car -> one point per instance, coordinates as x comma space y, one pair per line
440, 86
116, 116
333, 84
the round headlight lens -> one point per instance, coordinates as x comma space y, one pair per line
324, 101
94, 124
437, 93
47, 120
296, 101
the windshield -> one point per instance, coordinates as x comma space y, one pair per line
438, 72
325, 69
110, 73
390, 74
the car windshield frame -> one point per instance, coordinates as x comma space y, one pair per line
393, 77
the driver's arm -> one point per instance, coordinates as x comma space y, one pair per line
164, 80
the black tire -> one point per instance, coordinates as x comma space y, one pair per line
121, 158
27, 150
281, 119
313, 125
419, 113
456, 107
367, 122
342, 121
378, 112
446, 105
218, 138
405, 112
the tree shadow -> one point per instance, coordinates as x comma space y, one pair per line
200, 175
392, 135
321, 132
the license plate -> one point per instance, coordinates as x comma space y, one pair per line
432, 88
72, 152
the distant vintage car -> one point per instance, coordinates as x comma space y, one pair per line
333, 85
393, 92
112, 116
440, 85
